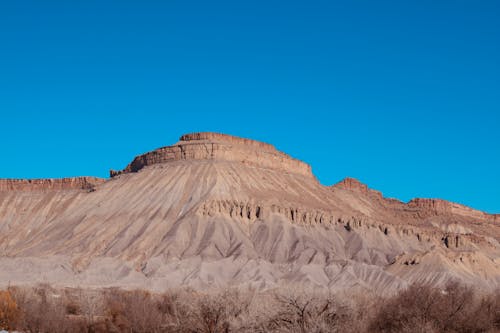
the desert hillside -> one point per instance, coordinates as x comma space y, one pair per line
214, 210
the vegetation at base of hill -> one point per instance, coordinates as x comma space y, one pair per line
419, 308
9, 311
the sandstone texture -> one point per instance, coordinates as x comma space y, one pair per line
214, 210
76, 183
220, 147
423, 205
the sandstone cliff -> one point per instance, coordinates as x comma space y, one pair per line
76, 183
355, 185
424, 206
214, 210
220, 147
439, 206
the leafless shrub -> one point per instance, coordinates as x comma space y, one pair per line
90, 303
43, 311
422, 308
134, 311
419, 308
212, 313
486, 314
308, 312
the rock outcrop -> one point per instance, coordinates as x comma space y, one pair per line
352, 184
439, 206
74, 183
220, 147
421, 206
214, 210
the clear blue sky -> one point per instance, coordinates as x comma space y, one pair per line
403, 95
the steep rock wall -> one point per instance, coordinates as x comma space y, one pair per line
418, 207
75, 183
438, 206
253, 211
214, 146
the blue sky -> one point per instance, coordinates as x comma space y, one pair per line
404, 96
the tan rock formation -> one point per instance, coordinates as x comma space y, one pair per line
353, 184
75, 183
220, 147
439, 206
215, 210
426, 207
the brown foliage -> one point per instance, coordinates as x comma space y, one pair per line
9, 312
42, 311
308, 312
419, 308
211, 313
133, 311
422, 308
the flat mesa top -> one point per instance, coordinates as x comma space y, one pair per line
225, 138
220, 147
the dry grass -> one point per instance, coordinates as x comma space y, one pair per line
419, 308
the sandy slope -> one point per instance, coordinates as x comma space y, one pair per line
213, 222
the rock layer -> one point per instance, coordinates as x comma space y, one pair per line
75, 183
355, 185
426, 207
213, 211
220, 147
439, 206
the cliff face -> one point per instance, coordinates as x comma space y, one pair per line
422, 207
355, 185
439, 206
214, 210
76, 183
220, 147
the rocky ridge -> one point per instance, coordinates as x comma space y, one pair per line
221, 147
425, 205
215, 210
352, 184
73, 183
